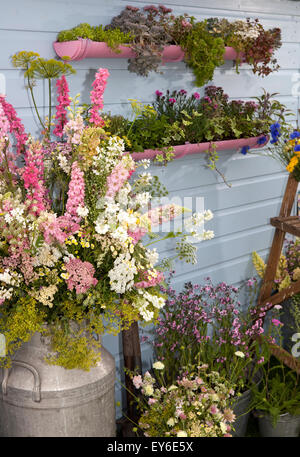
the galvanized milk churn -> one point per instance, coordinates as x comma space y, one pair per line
42, 400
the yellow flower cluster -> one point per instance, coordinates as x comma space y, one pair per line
293, 162
295, 158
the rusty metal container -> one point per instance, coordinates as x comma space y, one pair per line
42, 400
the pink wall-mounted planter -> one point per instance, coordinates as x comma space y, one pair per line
189, 149
84, 49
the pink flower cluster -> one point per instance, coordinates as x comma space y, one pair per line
137, 234
4, 124
97, 97
33, 178
164, 213
73, 130
81, 275
15, 125
117, 178
146, 282
63, 101
58, 228
75, 193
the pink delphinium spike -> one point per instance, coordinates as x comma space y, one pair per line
33, 178
4, 124
75, 193
63, 102
15, 125
117, 178
97, 97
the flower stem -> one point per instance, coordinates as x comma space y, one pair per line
49, 125
34, 103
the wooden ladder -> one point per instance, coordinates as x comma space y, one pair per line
284, 223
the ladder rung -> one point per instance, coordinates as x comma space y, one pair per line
282, 295
289, 224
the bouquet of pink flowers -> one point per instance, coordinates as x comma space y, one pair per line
72, 220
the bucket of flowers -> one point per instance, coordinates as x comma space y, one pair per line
72, 217
197, 404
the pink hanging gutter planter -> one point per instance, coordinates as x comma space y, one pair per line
84, 49
189, 149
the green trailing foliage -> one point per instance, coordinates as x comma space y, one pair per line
113, 38
204, 53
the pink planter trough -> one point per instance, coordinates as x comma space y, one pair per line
84, 49
189, 149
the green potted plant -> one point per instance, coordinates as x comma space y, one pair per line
277, 400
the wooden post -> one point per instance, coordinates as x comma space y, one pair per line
132, 361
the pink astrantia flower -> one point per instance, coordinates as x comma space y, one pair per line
97, 97
137, 381
196, 95
63, 102
172, 100
158, 93
75, 193
81, 275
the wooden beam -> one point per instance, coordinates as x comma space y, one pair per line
279, 297
288, 225
285, 357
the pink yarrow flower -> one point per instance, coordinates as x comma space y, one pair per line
81, 275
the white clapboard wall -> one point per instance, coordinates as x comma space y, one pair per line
242, 212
